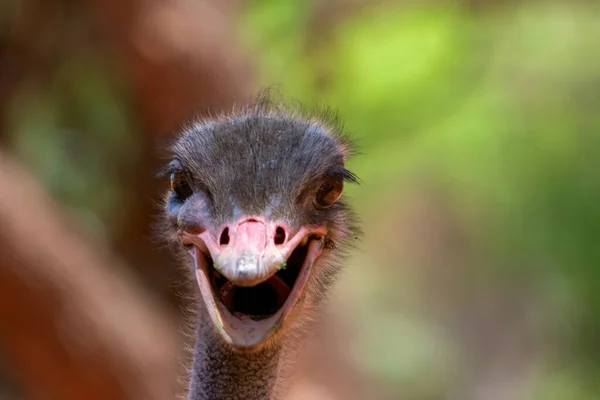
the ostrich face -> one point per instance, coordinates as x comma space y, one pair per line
256, 201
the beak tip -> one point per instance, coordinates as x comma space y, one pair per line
247, 270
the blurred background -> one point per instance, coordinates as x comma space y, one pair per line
478, 120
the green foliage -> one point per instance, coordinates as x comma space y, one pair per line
71, 135
500, 109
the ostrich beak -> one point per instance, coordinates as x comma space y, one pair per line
253, 251
252, 275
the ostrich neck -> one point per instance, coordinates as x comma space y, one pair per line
218, 372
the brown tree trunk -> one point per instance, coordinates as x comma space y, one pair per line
73, 325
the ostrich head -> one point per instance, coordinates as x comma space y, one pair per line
256, 201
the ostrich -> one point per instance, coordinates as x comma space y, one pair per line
256, 201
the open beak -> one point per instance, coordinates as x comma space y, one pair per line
251, 275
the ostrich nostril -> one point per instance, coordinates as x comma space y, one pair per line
279, 236
224, 239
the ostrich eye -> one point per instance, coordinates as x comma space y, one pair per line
329, 192
180, 185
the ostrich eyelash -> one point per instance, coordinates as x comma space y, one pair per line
349, 177
172, 167
343, 173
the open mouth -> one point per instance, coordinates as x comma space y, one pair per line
265, 299
246, 316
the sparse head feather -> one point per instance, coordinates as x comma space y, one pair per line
263, 159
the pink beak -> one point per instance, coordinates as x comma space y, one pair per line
251, 250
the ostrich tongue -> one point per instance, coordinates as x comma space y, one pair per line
257, 302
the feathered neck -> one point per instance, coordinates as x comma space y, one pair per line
218, 372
